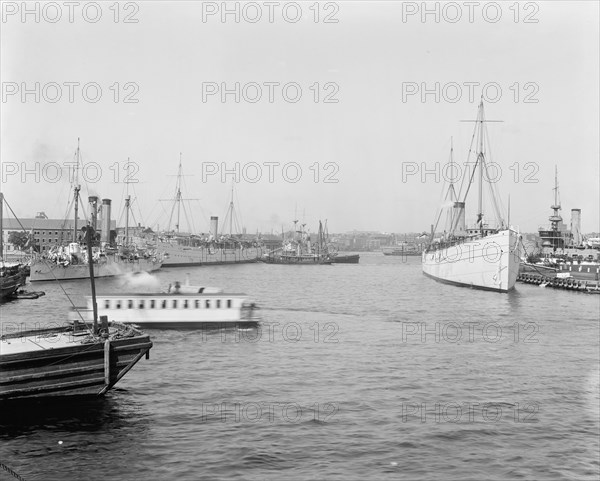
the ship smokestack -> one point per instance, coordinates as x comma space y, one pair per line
93, 201
576, 226
214, 226
105, 235
459, 216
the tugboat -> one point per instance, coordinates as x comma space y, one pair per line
299, 251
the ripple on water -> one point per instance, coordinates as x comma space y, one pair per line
344, 394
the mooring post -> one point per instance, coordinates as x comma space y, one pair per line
107, 362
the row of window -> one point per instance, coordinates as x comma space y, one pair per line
165, 304
37, 232
49, 240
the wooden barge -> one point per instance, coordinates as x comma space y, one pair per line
69, 360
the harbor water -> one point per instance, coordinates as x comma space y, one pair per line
368, 371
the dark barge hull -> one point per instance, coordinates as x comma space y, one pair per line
79, 370
350, 259
211, 263
10, 284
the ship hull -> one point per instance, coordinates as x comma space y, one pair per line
297, 260
489, 263
346, 259
50, 271
69, 368
404, 254
182, 256
9, 285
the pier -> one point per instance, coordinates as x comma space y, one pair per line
569, 283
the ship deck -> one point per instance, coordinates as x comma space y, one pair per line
40, 342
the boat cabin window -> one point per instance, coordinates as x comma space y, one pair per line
185, 304
106, 304
228, 303
197, 304
152, 304
175, 304
129, 304
141, 304
164, 304
218, 303
207, 303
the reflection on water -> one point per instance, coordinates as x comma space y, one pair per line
76, 414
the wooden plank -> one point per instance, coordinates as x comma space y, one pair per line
90, 362
124, 371
59, 372
107, 362
7, 359
141, 345
53, 387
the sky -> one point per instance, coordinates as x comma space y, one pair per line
343, 111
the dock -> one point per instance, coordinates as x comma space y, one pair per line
568, 283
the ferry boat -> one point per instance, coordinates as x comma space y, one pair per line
483, 256
73, 360
180, 307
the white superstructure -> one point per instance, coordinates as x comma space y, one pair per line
182, 307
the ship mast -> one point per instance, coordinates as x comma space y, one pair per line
178, 196
479, 134
231, 215
177, 201
321, 235
451, 190
76, 190
127, 203
127, 207
555, 218
480, 161
231, 210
